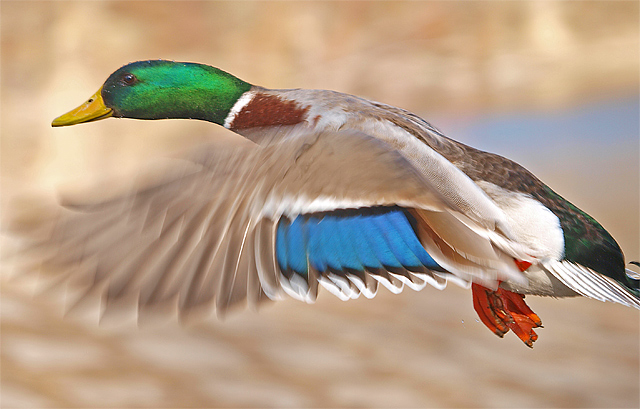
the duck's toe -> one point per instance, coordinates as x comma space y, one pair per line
483, 303
503, 310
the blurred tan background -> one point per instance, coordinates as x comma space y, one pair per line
553, 85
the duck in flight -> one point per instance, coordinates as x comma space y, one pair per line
336, 191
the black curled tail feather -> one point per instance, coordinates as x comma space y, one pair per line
633, 279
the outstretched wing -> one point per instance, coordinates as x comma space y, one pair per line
249, 223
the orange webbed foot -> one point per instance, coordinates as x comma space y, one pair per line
503, 310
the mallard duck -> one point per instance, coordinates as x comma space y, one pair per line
336, 191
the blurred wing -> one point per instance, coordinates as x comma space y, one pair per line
236, 224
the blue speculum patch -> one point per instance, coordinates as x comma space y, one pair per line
351, 240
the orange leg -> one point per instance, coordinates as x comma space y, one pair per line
502, 310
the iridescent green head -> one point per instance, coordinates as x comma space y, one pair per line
161, 89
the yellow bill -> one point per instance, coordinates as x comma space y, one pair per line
92, 110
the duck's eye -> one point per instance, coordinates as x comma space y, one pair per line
129, 79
